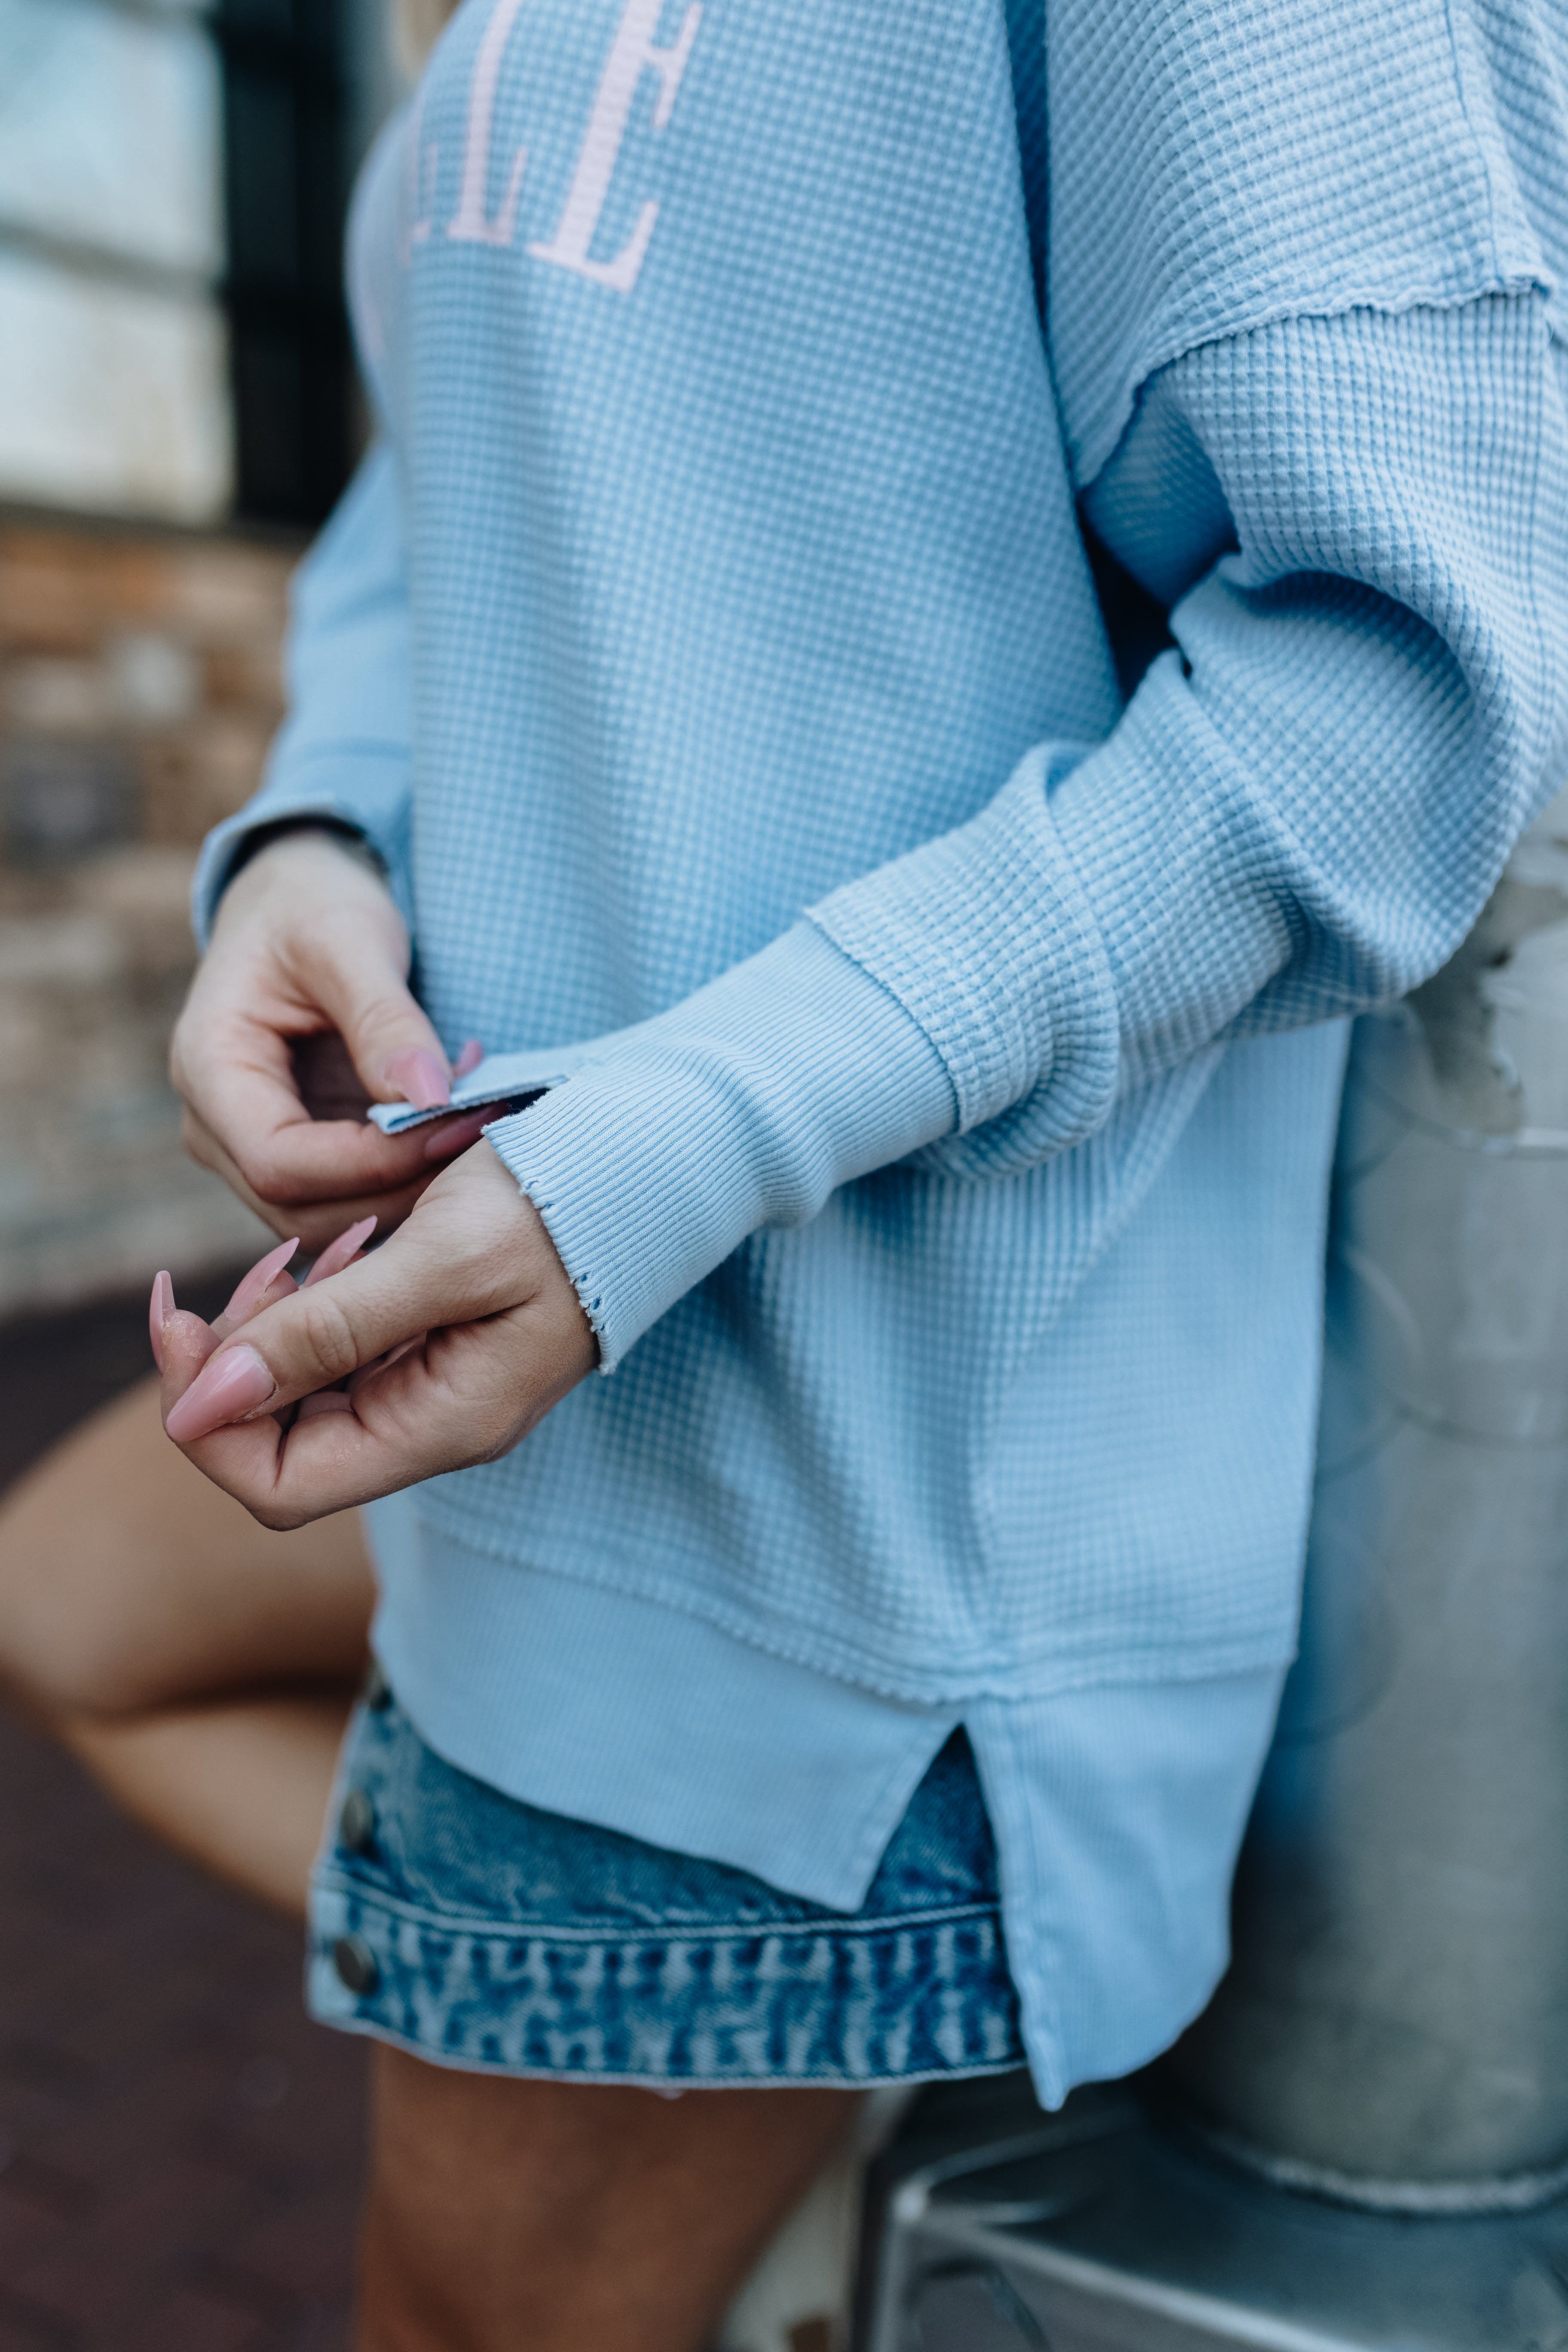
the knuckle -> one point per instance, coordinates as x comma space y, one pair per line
389, 1019
272, 1180
183, 1059
279, 1517
329, 1336
266, 1179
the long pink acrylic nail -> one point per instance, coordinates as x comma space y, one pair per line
234, 1383
338, 1253
160, 1309
472, 1054
253, 1284
420, 1077
457, 1134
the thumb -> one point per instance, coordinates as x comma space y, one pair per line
436, 1270
361, 983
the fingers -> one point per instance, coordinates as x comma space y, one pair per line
160, 1309
409, 1422
186, 1344
245, 1121
442, 1350
308, 948
325, 1080
162, 1313
457, 1396
249, 1292
269, 1281
446, 1269
317, 1219
266, 1283
455, 1135
340, 1252
453, 1339
364, 992
310, 1166
324, 1400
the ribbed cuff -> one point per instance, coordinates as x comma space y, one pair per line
746, 1106
986, 938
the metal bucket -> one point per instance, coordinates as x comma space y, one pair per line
1393, 2030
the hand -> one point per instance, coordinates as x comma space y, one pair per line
308, 942
442, 1348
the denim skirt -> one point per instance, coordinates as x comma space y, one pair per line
483, 1933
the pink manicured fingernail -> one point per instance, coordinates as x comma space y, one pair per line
336, 1255
160, 1309
253, 1284
236, 1382
420, 1078
459, 1133
472, 1054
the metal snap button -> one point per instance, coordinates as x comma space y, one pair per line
355, 1964
356, 1822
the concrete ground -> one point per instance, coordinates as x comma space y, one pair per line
179, 2146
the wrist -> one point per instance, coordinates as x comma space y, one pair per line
303, 856
307, 885
332, 831
744, 1107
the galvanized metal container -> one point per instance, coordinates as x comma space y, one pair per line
1392, 2034
1395, 2024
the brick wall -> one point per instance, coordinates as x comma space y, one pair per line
138, 687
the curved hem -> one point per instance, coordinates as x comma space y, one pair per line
540, 1684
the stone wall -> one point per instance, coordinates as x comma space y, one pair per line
138, 685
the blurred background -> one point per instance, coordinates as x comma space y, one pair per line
178, 410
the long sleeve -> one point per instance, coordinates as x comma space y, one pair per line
343, 751
1300, 812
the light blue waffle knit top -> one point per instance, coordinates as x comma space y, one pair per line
710, 650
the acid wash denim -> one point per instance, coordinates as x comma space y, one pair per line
484, 1933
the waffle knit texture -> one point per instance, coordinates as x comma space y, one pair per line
711, 652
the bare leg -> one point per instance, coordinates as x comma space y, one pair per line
511, 2216
200, 1665
240, 1785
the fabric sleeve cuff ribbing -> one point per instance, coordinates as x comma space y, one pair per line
746, 1106
986, 938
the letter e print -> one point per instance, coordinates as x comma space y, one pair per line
471, 224
633, 52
